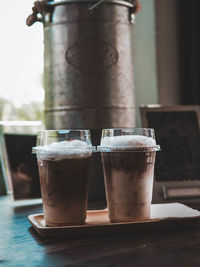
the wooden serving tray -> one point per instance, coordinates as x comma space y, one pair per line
163, 217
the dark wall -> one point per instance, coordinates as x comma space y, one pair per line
178, 54
189, 30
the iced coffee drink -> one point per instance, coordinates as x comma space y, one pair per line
64, 178
128, 163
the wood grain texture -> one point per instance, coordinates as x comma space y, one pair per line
163, 217
20, 245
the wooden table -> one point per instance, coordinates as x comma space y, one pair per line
20, 245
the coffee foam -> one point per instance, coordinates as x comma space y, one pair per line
123, 141
64, 149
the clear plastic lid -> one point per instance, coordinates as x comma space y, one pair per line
128, 148
63, 141
123, 139
65, 147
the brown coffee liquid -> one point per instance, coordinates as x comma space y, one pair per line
129, 180
64, 188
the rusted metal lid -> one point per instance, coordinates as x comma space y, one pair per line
62, 2
44, 7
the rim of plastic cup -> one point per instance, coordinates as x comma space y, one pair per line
42, 149
128, 148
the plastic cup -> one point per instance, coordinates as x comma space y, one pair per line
63, 158
128, 157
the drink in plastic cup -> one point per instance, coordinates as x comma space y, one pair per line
128, 157
64, 164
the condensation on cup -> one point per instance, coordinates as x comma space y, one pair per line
64, 158
128, 157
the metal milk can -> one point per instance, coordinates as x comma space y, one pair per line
88, 68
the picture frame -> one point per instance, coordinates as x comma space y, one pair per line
22, 177
5, 183
177, 167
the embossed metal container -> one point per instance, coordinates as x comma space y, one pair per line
88, 65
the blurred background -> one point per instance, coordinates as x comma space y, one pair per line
165, 47
165, 58
21, 64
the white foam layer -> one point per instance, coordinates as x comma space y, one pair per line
128, 141
64, 149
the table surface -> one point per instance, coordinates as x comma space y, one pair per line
20, 245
